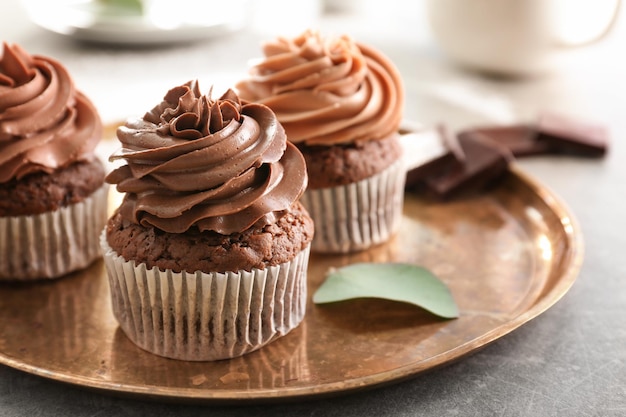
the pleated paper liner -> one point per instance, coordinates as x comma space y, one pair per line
201, 317
359, 215
54, 243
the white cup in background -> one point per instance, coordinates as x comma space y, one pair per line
517, 37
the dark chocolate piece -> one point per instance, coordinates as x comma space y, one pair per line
522, 139
569, 135
485, 162
429, 152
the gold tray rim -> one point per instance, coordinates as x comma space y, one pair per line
572, 263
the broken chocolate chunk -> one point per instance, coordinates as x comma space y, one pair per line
430, 151
447, 165
521, 139
569, 135
485, 161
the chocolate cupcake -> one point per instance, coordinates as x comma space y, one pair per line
52, 193
207, 254
341, 104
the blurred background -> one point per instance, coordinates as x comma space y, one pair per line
125, 58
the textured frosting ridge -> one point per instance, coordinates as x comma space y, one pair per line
45, 123
327, 91
216, 165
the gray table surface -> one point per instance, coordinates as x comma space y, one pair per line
570, 361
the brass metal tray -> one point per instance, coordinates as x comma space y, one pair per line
507, 255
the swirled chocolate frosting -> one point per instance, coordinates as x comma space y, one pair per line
45, 123
193, 162
327, 91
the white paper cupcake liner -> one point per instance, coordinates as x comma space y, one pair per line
203, 317
357, 216
55, 243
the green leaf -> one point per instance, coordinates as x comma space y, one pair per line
392, 281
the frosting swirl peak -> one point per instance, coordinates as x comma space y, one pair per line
45, 123
194, 162
327, 91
